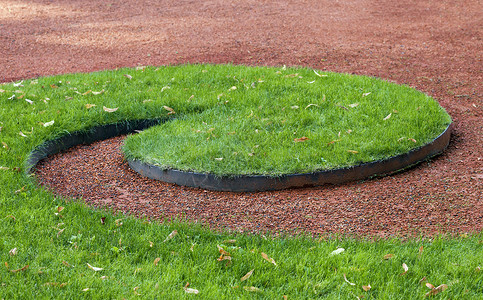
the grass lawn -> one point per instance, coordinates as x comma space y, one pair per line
57, 248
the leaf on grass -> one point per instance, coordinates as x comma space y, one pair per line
366, 287
387, 117
437, 290
49, 123
251, 289
219, 158
311, 104
13, 252
118, 222
270, 260
4, 168
89, 105
366, 94
421, 250
311, 81
127, 76
18, 270
190, 290
422, 280
294, 107
171, 111
405, 267
353, 105
98, 93
110, 110
22, 134
353, 151
320, 75
232, 88
29, 101
388, 256
429, 285
151, 244
302, 139
247, 275
229, 242
224, 254
170, 236
60, 232
337, 251
66, 264
60, 285
412, 140
345, 278
89, 91
332, 142
86, 289
94, 268
156, 261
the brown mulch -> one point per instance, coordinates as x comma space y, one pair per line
435, 46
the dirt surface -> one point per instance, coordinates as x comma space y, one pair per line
434, 46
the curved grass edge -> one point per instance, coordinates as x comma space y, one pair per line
242, 183
259, 183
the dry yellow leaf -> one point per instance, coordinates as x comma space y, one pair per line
89, 105
156, 261
388, 256
247, 275
251, 289
366, 287
18, 270
302, 139
437, 290
94, 268
270, 260
171, 111
110, 110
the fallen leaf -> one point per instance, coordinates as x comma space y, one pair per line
18, 270
311, 81
232, 88
151, 244
388, 256
251, 289
422, 280
387, 117
110, 110
13, 252
103, 220
29, 101
421, 250
171, 111
366, 94
147, 100
94, 268
4, 145
89, 105
22, 134
270, 260
337, 251
323, 75
104, 277
247, 275
127, 76
229, 242
86, 289
49, 123
60, 285
89, 91
366, 287
412, 140
219, 158
53, 86
165, 88
437, 290
353, 151
170, 236
156, 261
429, 285
294, 107
4, 168
354, 105
332, 142
60, 232
66, 264
345, 278
98, 93
311, 105
302, 139
118, 222
405, 267
190, 290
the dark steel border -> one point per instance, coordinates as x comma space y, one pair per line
258, 183
89, 136
242, 183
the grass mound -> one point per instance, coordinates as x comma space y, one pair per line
274, 121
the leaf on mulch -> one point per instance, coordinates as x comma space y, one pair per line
110, 110
247, 275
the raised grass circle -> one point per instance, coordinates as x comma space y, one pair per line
248, 121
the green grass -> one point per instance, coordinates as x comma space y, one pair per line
57, 238
254, 118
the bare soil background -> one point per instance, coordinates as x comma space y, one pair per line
434, 46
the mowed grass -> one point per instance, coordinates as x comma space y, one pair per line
59, 248
275, 121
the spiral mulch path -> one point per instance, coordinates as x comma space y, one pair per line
434, 46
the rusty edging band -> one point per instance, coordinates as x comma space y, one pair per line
258, 183
242, 183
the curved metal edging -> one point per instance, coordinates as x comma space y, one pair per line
258, 183
94, 134
243, 183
